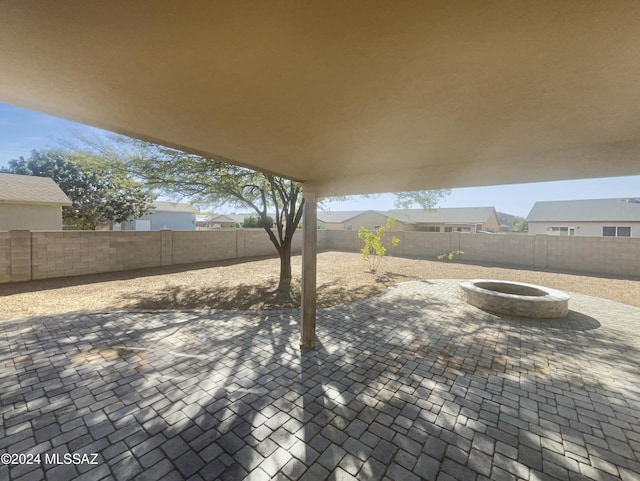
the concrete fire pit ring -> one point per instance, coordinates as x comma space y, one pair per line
516, 298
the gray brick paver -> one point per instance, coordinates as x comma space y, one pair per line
189, 463
436, 391
62, 472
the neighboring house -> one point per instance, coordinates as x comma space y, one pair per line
202, 220
591, 217
30, 203
466, 219
205, 221
352, 220
453, 219
219, 221
506, 221
166, 215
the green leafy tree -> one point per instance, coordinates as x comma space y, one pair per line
215, 183
98, 195
427, 199
374, 248
252, 222
520, 224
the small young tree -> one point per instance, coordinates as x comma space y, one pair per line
374, 249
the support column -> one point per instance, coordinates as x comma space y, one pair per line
309, 253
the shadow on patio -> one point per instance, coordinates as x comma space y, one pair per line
250, 295
413, 384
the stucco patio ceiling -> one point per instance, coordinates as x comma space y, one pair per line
349, 97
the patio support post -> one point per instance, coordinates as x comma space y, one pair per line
309, 252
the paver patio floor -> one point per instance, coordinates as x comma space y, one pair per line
412, 384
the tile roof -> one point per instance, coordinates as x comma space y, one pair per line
29, 189
588, 210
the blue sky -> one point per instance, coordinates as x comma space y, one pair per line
22, 130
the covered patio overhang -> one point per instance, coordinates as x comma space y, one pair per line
345, 97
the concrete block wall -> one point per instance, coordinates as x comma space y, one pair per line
26, 255
540, 247
20, 255
5, 257
323, 240
202, 246
427, 245
507, 249
342, 240
255, 243
604, 255
72, 253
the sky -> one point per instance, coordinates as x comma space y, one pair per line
22, 131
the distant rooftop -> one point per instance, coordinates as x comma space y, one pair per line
29, 189
340, 216
173, 207
453, 215
588, 210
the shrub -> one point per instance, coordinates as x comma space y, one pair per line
374, 249
252, 221
450, 255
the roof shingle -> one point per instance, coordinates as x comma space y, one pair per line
588, 210
28, 189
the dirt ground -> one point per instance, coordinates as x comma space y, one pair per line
250, 284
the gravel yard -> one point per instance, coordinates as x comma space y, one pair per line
249, 284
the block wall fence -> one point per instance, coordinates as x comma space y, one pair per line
27, 255
597, 255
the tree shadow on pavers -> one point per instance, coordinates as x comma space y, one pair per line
243, 296
414, 392
390, 278
524, 388
575, 320
126, 379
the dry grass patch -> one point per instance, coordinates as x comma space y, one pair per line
250, 284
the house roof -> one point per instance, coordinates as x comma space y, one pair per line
28, 189
508, 221
226, 218
451, 215
347, 97
176, 207
234, 217
340, 216
588, 210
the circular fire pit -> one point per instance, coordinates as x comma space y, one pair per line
516, 298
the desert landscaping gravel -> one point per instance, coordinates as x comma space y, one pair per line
251, 284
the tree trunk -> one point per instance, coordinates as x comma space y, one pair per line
285, 267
